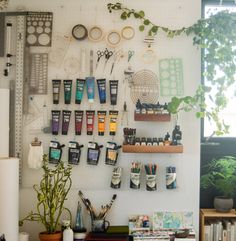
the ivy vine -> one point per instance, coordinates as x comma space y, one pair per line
216, 35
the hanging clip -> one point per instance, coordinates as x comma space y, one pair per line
36, 142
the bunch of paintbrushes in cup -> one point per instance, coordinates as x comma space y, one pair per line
92, 211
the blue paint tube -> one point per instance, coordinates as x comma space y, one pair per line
102, 90
113, 91
90, 88
67, 91
79, 90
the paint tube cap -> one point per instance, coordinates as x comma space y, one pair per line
78, 133
91, 100
55, 132
112, 133
67, 102
55, 102
64, 132
100, 133
90, 133
78, 102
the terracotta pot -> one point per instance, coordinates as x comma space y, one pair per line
223, 204
44, 236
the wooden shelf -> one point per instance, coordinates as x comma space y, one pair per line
152, 117
152, 149
208, 214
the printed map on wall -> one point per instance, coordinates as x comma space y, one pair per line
172, 220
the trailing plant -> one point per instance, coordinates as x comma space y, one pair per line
221, 175
51, 195
216, 35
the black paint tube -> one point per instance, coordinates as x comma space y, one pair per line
80, 83
102, 90
55, 121
56, 86
74, 152
113, 91
67, 91
55, 152
65, 121
78, 121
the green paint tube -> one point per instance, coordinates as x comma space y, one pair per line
67, 91
79, 90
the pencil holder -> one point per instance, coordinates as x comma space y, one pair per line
116, 178
135, 180
99, 225
151, 182
171, 177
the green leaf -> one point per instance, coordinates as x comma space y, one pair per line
141, 28
141, 14
123, 16
146, 22
136, 15
154, 29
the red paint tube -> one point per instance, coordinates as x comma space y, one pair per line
90, 121
78, 121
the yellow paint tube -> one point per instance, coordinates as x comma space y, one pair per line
113, 114
101, 122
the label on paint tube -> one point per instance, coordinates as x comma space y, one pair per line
92, 145
90, 121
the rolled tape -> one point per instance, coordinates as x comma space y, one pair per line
95, 33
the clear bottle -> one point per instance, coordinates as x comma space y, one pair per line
68, 234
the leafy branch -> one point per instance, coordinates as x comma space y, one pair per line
51, 194
216, 36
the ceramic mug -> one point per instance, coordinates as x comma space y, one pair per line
99, 225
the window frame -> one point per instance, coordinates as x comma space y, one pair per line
214, 139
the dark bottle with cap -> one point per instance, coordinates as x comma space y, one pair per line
176, 135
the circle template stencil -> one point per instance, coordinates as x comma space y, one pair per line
39, 29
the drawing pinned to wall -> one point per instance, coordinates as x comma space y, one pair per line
172, 220
171, 77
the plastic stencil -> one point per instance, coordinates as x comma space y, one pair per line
38, 74
171, 77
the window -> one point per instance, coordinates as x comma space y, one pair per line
229, 114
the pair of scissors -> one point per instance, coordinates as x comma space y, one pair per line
99, 54
107, 54
130, 55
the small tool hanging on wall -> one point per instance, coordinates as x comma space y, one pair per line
8, 49
116, 177
39, 29
124, 116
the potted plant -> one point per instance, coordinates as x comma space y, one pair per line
221, 175
51, 195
